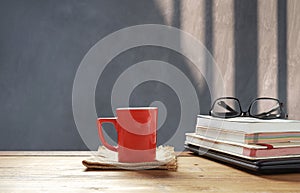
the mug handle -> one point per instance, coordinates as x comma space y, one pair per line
101, 136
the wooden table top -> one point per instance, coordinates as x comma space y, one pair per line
63, 172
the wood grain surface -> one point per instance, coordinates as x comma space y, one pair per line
63, 172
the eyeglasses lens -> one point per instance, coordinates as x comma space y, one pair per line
226, 108
265, 108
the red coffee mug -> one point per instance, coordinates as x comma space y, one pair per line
136, 129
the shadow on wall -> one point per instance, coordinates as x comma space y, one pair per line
246, 50
282, 51
246, 83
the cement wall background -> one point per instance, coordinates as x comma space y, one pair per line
258, 56
255, 43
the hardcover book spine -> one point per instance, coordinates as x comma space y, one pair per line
271, 152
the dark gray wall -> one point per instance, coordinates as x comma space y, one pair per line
41, 45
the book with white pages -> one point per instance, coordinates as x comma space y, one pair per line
247, 138
248, 124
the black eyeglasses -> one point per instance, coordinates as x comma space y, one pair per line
262, 108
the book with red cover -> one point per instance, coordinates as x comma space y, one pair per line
249, 151
262, 166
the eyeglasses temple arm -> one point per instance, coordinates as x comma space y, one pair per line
224, 105
268, 112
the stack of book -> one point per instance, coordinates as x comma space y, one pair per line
246, 138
